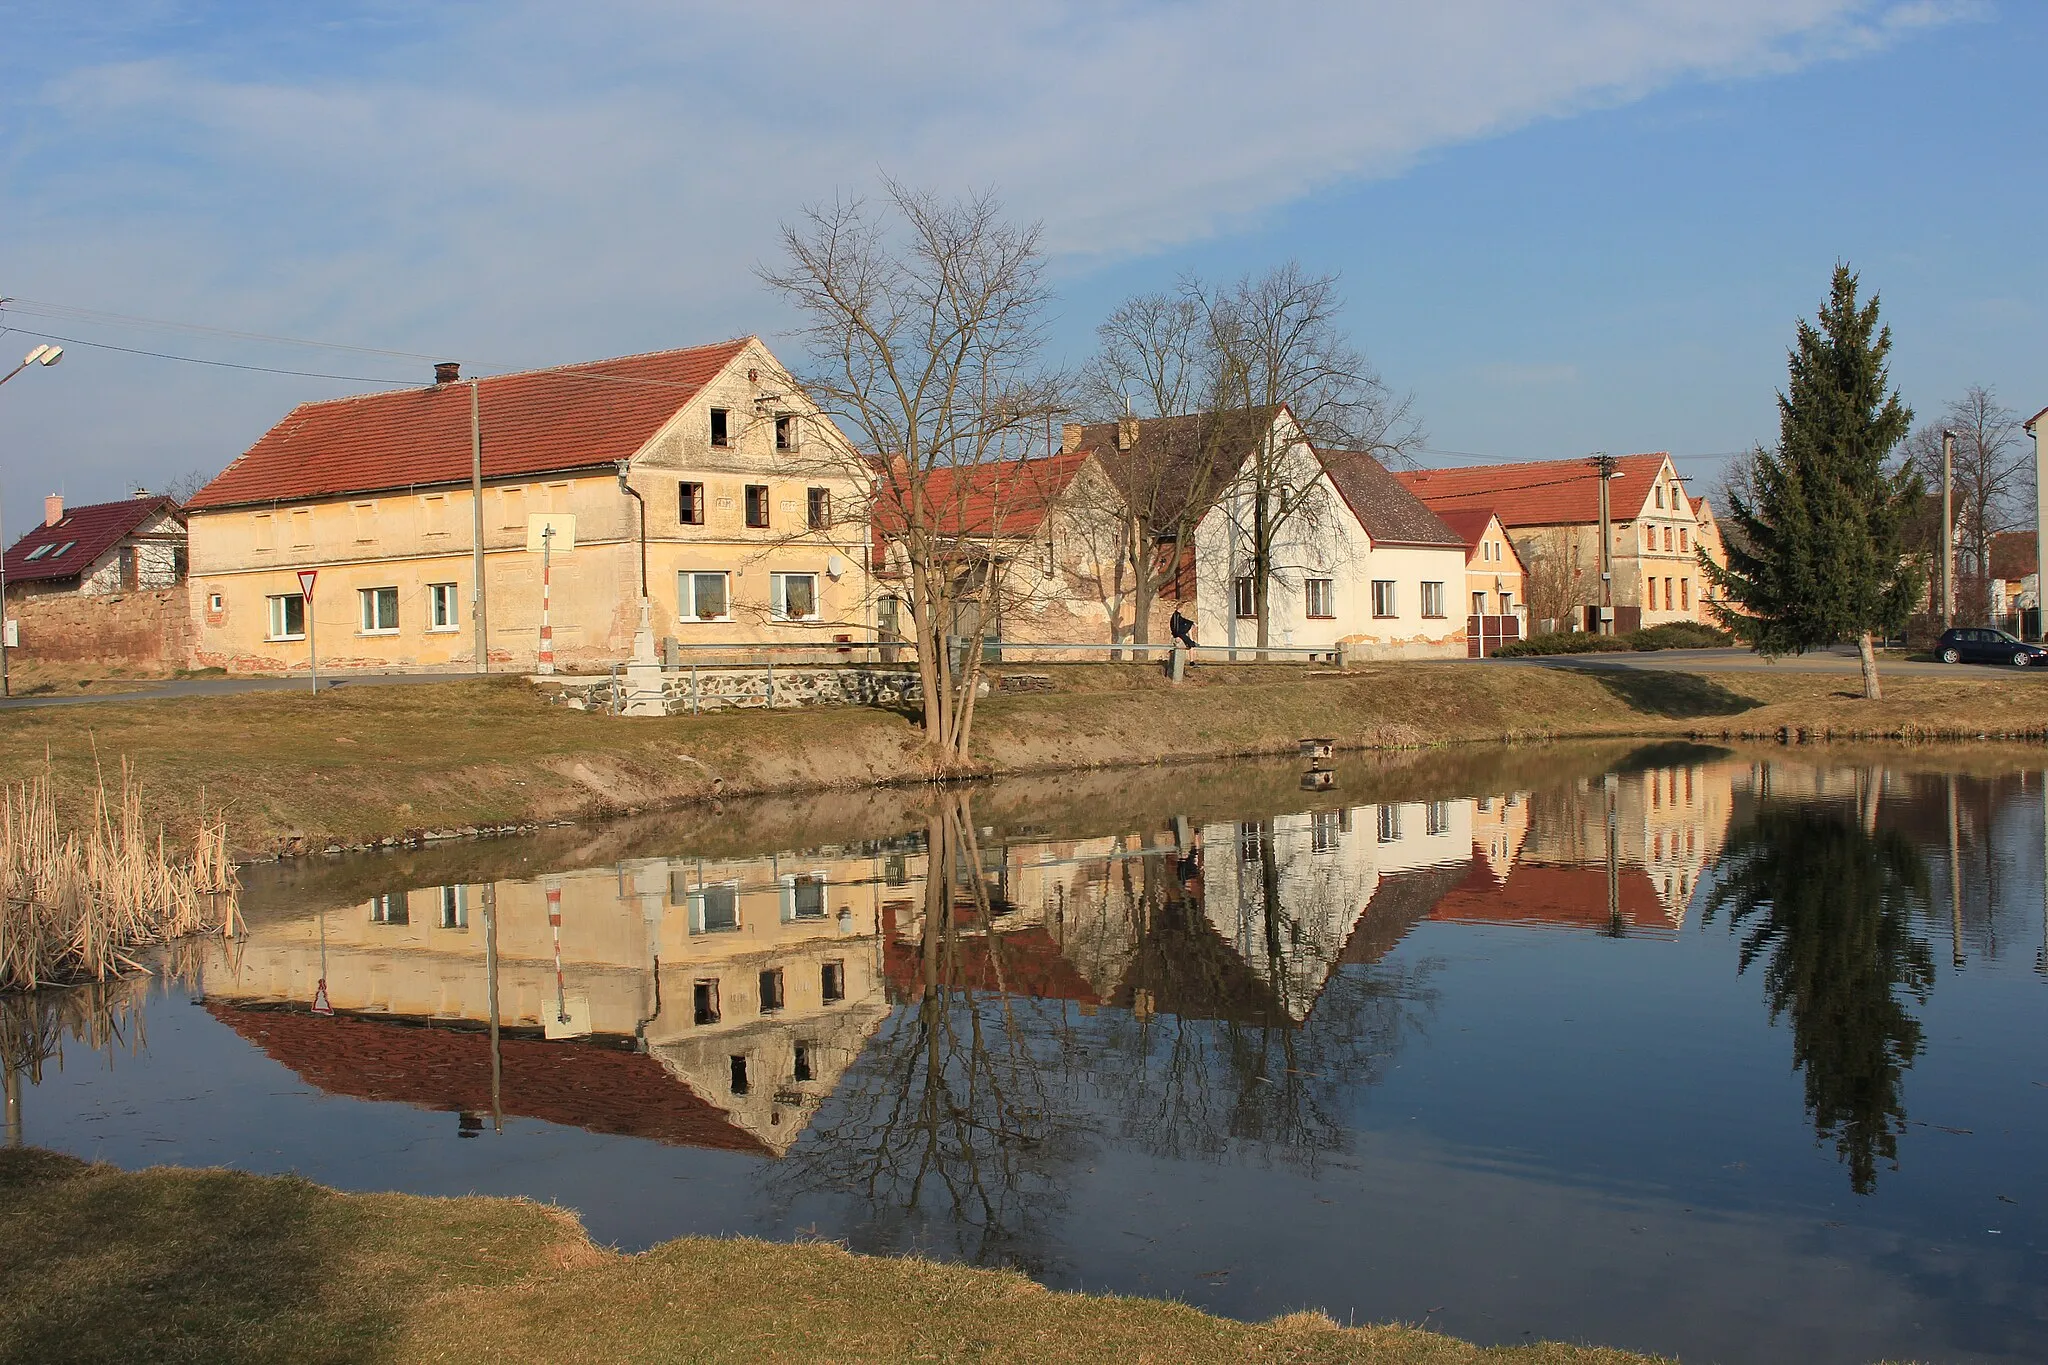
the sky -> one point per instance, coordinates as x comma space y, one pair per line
1560, 225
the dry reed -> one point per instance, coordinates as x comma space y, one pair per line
75, 907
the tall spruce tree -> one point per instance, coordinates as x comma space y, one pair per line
1821, 554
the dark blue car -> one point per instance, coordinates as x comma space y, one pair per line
1983, 645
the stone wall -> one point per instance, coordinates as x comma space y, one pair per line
139, 630
717, 689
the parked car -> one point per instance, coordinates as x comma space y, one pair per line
1982, 645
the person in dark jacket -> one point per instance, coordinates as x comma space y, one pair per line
1183, 630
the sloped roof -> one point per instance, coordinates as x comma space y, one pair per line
82, 535
1540, 493
1177, 466
1469, 522
1002, 498
537, 422
1401, 901
1541, 895
2012, 554
1390, 514
582, 1085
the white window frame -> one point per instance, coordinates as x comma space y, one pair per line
824, 881
1324, 589
1385, 596
686, 594
1432, 592
1389, 821
453, 903
367, 599
280, 621
697, 925
778, 588
439, 596
1244, 599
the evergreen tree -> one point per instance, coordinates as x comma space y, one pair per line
1821, 554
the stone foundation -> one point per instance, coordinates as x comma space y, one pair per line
685, 692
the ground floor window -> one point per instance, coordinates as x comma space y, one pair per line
1321, 594
1247, 600
380, 610
832, 981
441, 608
1390, 824
771, 990
704, 596
288, 617
1685, 594
1479, 602
454, 907
1384, 602
389, 908
704, 1000
793, 596
1432, 599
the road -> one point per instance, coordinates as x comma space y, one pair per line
221, 687
1742, 661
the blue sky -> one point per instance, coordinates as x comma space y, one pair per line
1564, 226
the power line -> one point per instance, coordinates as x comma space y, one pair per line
40, 308
195, 360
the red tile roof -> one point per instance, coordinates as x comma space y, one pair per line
1021, 962
539, 422
2012, 555
1004, 498
1469, 522
1542, 895
82, 535
600, 1089
1542, 493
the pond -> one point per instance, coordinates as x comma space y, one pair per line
1725, 1054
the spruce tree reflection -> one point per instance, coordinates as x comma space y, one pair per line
1829, 903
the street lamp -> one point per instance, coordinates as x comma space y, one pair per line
44, 355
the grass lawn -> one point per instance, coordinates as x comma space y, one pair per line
296, 772
218, 1266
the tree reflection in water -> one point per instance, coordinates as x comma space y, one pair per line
1829, 902
967, 1120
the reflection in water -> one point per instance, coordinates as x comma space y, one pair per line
1122, 1030
1829, 901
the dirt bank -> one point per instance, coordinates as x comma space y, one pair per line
296, 773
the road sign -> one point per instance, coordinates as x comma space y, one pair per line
306, 577
320, 1005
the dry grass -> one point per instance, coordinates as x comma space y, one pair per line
75, 905
361, 764
218, 1266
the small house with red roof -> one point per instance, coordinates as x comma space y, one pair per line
100, 549
703, 478
1493, 578
1551, 512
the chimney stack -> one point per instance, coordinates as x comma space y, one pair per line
446, 372
1126, 432
53, 509
1070, 437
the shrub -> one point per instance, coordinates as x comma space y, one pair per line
1679, 635
1671, 635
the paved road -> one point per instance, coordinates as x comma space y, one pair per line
220, 687
1742, 661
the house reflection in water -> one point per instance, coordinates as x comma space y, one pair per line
719, 1003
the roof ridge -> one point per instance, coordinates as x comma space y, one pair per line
523, 374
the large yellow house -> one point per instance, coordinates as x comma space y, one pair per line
751, 528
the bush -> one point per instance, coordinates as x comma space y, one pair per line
1671, 635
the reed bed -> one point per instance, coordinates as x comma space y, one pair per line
78, 905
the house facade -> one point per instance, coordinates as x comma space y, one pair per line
1551, 512
736, 519
135, 545
1494, 585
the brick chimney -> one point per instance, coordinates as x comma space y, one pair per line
1070, 437
1126, 432
53, 509
447, 372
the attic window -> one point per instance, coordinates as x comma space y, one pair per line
63, 549
40, 551
1660, 495
718, 428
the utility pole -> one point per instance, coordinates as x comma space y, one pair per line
1948, 529
1605, 464
2034, 429
478, 608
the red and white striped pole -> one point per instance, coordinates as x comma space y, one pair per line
547, 632
555, 925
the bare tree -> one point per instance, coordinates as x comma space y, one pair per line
1275, 344
923, 322
1992, 485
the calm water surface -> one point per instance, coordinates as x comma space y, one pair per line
1731, 1055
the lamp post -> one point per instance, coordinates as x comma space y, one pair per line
643, 669
43, 356
1605, 464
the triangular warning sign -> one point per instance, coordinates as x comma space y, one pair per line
320, 1005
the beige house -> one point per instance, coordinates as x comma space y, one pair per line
739, 493
1551, 511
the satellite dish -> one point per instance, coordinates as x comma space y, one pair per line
835, 566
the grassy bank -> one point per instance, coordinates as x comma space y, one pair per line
294, 772
214, 1265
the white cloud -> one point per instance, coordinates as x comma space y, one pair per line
534, 182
